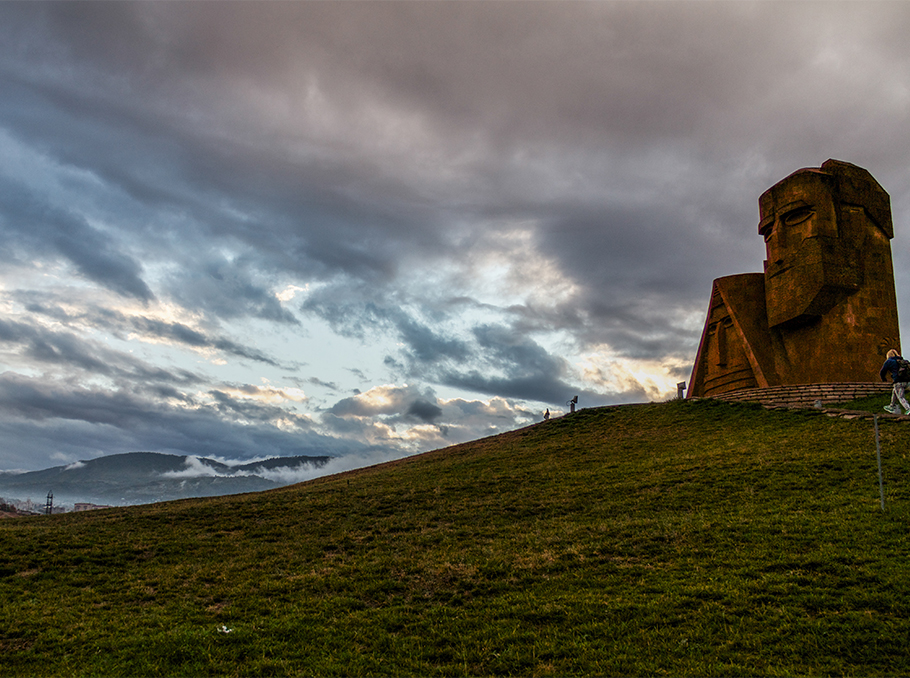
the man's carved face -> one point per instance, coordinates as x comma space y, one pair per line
807, 269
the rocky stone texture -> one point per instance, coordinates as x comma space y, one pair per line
806, 395
824, 311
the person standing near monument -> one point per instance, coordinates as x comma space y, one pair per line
900, 375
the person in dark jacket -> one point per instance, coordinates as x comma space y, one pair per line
893, 365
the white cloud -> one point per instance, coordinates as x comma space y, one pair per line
350, 462
655, 380
196, 468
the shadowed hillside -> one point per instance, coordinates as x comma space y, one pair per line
687, 537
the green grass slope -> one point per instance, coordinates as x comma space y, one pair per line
693, 538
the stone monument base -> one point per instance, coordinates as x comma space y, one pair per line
806, 395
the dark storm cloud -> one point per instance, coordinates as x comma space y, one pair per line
425, 411
393, 402
148, 328
495, 361
182, 334
362, 407
40, 400
329, 385
250, 410
382, 412
602, 159
614, 77
226, 290
65, 349
427, 345
515, 366
128, 420
358, 310
321, 214
29, 223
92, 255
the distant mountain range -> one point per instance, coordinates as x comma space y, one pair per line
148, 477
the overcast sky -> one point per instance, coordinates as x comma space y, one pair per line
252, 229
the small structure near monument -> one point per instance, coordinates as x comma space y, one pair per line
825, 309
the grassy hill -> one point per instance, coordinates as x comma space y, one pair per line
683, 538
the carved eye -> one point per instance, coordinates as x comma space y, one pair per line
797, 216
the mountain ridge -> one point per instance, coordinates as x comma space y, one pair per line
148, 477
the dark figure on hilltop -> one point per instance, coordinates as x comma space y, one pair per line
825, 308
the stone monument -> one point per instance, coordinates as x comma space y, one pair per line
825, 309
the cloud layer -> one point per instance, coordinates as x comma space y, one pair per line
370, 229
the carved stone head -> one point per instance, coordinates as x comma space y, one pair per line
816, 223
